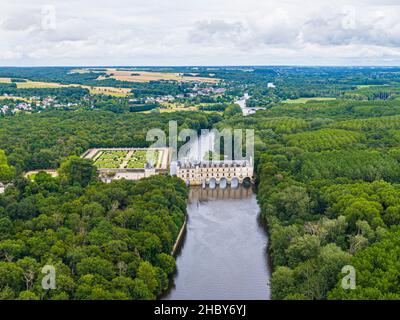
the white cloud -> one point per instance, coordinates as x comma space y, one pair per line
211, 32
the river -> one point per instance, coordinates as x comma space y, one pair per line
224, 251
242, 103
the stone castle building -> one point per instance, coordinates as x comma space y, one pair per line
214, 172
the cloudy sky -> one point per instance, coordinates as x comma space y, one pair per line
199, 32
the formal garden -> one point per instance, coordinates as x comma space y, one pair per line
125, 159
110, 159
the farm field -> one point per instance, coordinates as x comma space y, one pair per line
118, 92
39, 84
147, 76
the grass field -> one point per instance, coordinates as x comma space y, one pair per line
172, 106
305, 100
146, 76
118, 92
39, 84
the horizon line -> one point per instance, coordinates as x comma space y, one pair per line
202, 66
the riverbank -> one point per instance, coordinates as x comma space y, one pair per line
179, 238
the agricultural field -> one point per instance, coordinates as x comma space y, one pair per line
147, 76
111, 91
40, 84
110, 159
117, 92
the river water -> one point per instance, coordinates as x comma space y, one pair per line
224, 251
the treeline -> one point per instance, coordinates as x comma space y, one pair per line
49, 74
7, 172
104, 241
143, 107
75, 93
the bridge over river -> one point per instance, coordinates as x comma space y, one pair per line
223, 252
213, 173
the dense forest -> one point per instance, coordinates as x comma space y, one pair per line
75, 93
106, 241
329, 188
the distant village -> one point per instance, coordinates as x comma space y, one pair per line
196, 92
12, 105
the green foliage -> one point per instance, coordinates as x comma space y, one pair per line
377, 271
324, 139
106, 241
7, 172
290, 203
232, 110
77, 170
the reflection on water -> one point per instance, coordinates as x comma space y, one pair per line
197, 194
224, 254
